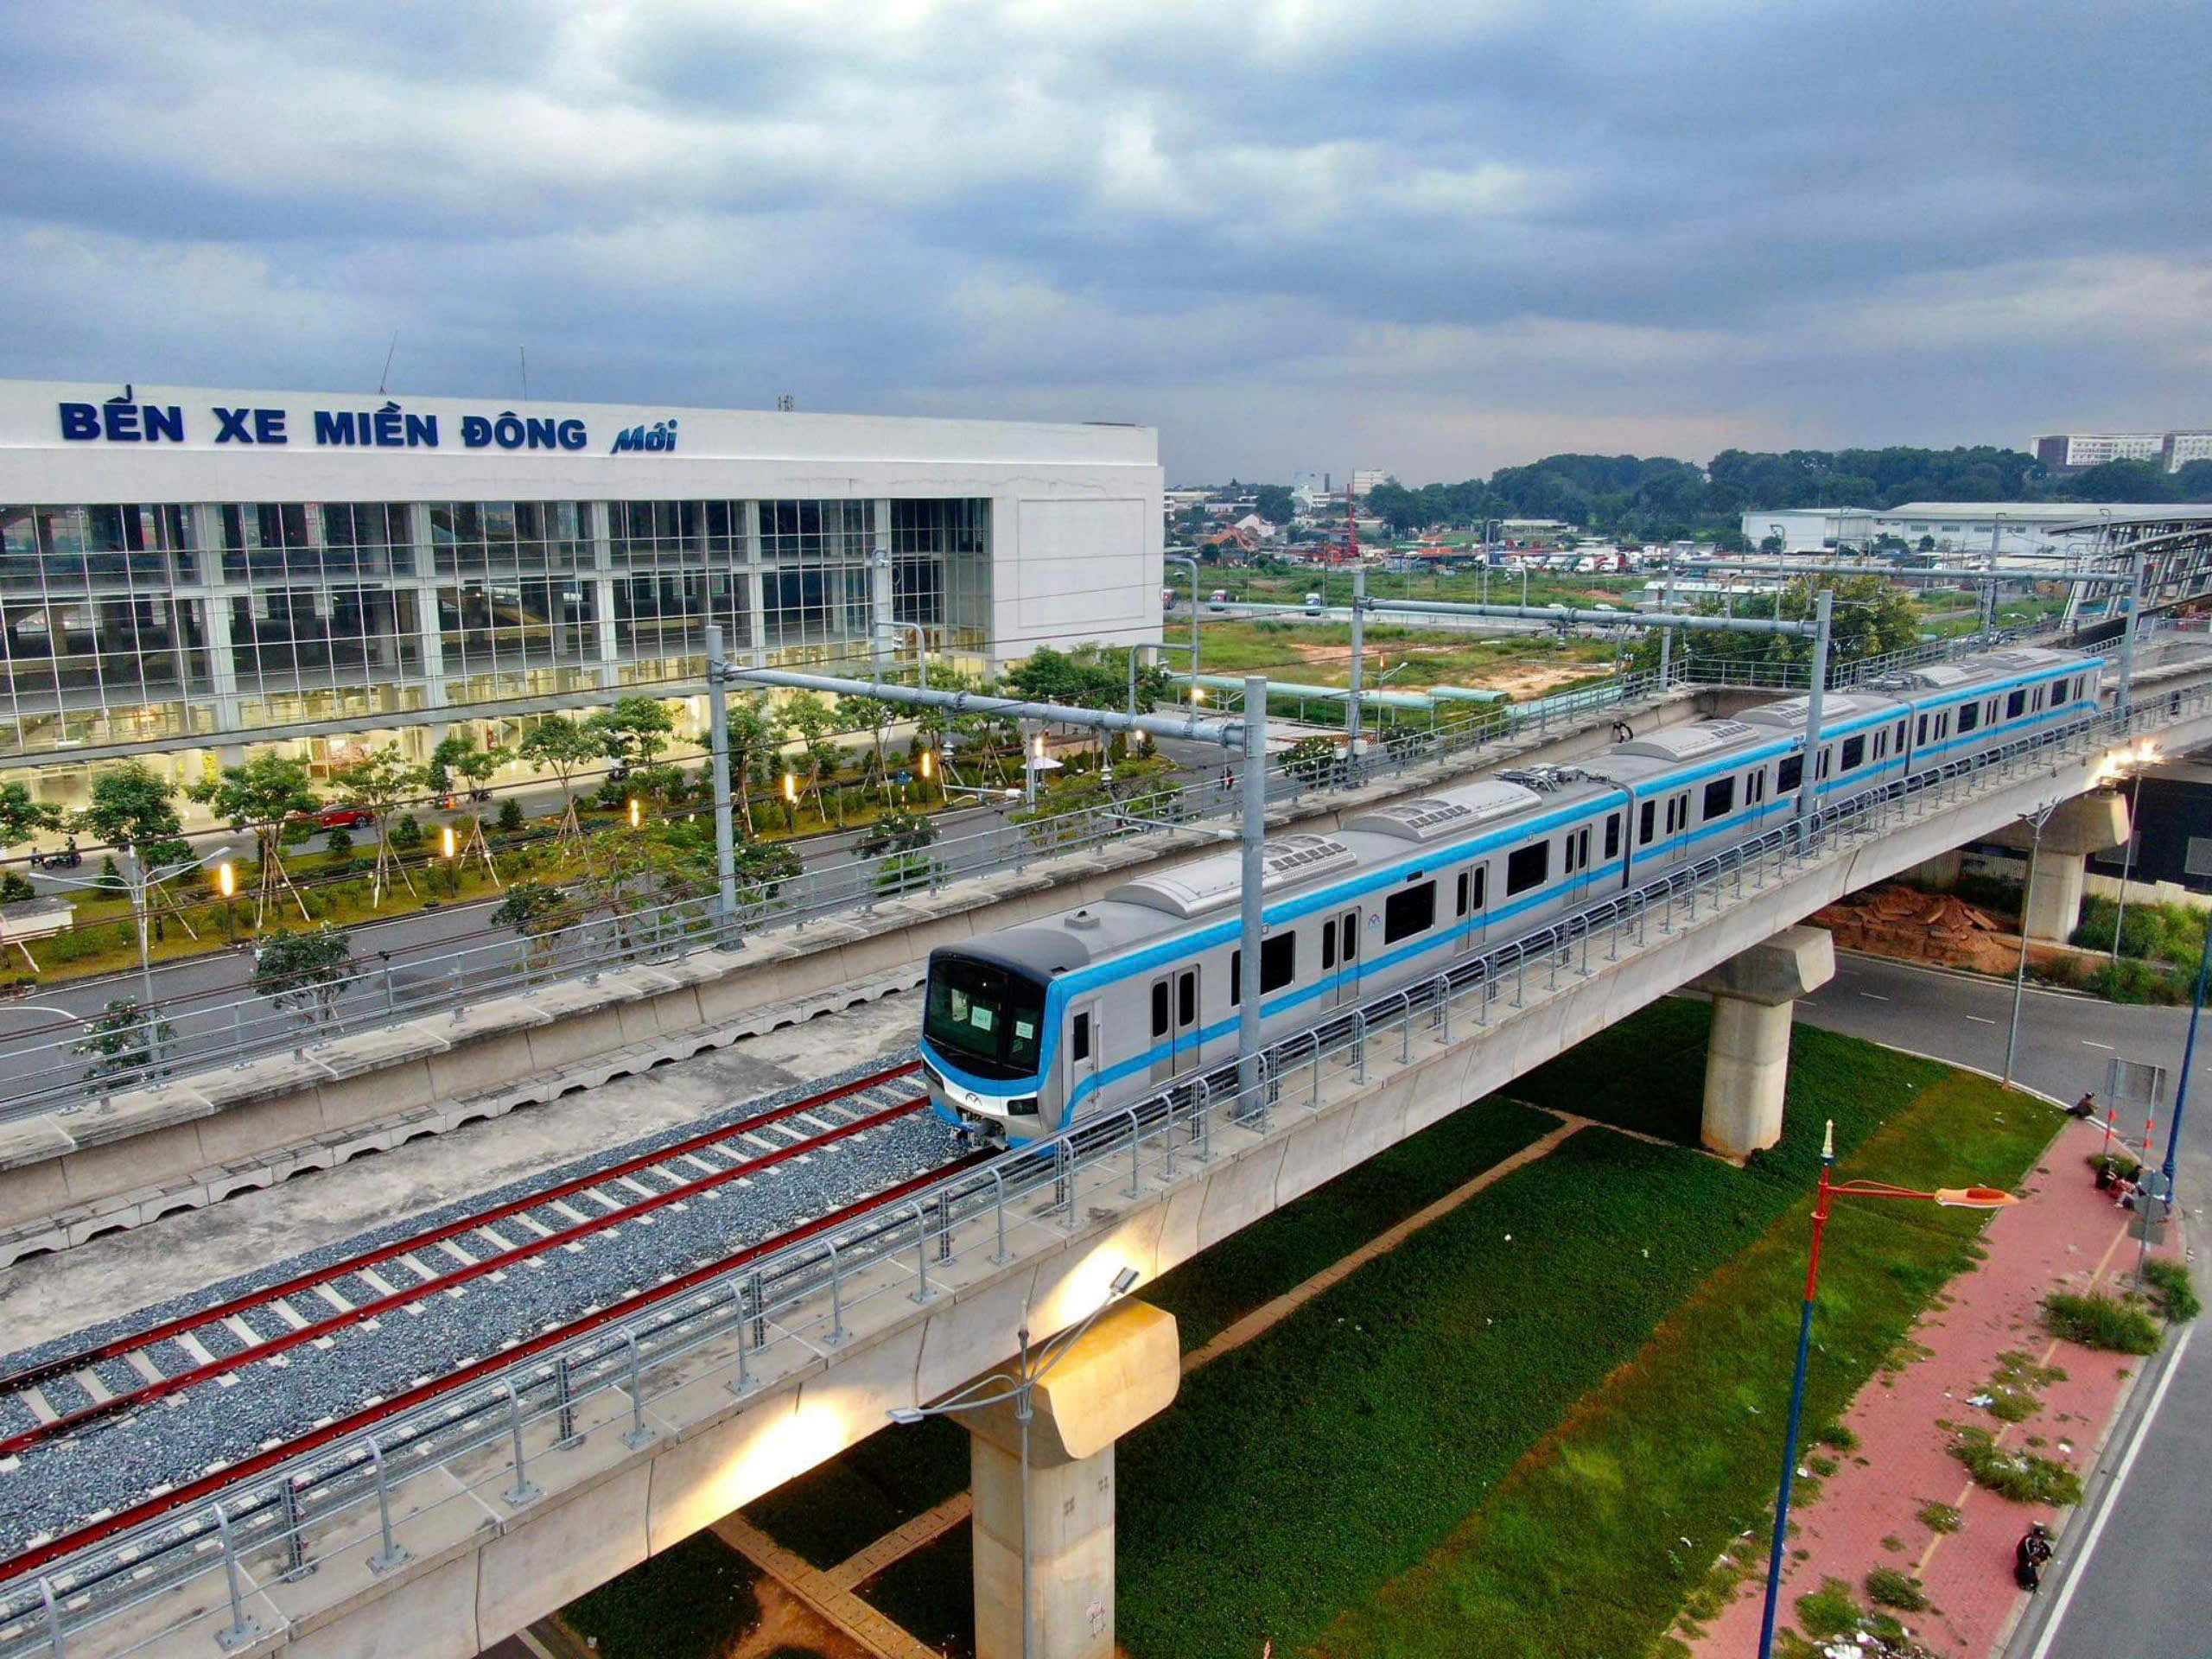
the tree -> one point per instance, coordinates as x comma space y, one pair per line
378, 783
873, 716
133, 809
261, 795
1273, 503
814, 722
633, 731
756, 738
125, 1045
564, 748
535, 910
304, 974
458, 757
20, 815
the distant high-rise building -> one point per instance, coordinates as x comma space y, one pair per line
1365, 480
2071, 451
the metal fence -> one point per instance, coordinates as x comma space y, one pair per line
486, 1426
47, 1067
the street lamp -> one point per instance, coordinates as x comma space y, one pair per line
2130, 763
140, 884
452, 868
2020, 968
1957, 1197
226, 878
1020, 1388
636, 814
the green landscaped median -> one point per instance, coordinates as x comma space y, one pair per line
1477, 1444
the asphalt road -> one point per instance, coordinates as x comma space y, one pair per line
2128, 1580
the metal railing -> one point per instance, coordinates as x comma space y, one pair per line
48, 1067
793, 1297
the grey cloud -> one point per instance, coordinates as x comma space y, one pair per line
1435, 236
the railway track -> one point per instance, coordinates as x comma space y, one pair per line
67, 1393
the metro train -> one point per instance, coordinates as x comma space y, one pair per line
1039, 1025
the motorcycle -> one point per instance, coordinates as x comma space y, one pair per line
68, 859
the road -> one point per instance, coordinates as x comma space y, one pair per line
2127, 1588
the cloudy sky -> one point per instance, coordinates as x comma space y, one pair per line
1291, 233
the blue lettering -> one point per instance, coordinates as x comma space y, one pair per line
631, 438
269, 426
79, 421
122, 420
388, 428
423, 431
541, 433
230, 425
163, 422
571, 435
507, 431
333, 429
475, 431
671, 436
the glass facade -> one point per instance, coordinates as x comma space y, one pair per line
124, 623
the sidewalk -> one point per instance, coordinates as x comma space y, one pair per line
2066, 1235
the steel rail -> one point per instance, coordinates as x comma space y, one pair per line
361, 1313
115, 1347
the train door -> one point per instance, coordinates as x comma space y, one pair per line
1174, 1023
1340, 957
1085, 1038
1574, 865
1472, 898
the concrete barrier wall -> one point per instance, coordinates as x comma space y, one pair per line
122, 1160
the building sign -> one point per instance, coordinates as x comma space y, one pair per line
126, 419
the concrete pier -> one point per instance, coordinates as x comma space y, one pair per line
1123, 1370
2058, 862
1747, 1063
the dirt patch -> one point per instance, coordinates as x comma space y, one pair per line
1911, 925
788, 1622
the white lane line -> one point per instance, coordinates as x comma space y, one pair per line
2086, 1043
1979, 1020
1873, 997
2106, 1505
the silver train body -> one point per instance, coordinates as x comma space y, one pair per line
1036, 1026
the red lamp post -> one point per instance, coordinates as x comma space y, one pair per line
1959, 1198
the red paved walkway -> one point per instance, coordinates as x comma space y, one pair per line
2066, 1235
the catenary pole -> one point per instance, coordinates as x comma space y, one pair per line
2188, 1059
725, 830
2128, 639
1809, 786
1358, 655
1254, 834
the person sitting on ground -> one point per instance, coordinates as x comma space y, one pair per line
2085, 1107
2123, 1192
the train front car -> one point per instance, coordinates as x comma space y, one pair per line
983, 1041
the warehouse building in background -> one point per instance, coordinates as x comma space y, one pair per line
188, 574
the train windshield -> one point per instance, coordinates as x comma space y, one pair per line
983, 1018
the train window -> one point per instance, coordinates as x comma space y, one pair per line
1568, 862
1900, 737
1791, 772
1644, 823
1160, 1009
1235, 978
1612, 835
1352, 937
1278, 961
1481, 886
1854, 753
1408, 912
1328, 946
1079, 1037
1186, 998
1527, 867
1461, 900
1969, 716
2039, 702
1921, 735
1719, 798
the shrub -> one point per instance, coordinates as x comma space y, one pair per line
1888, 1587
2021, 1475
1940, 1517
509, 816
406, 833
14, 889
340, 844
1829, 1611
2170, 1283
2100, 1322
1841, 1439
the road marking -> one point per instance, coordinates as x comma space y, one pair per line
2105, 1505
1871, 997
2086, 1043
1979, 1020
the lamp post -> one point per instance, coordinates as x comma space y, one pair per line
2020, 968
446, 845
141, 882
227, 879
1020, 1388
1961, 1198
2187, 1059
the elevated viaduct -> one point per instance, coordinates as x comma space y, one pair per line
627, 1442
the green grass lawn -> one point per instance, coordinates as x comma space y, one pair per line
1361, 1477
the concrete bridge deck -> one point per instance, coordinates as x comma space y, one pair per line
905, 1328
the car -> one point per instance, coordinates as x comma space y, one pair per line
337, 817
1313, 605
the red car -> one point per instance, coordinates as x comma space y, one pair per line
340, 818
